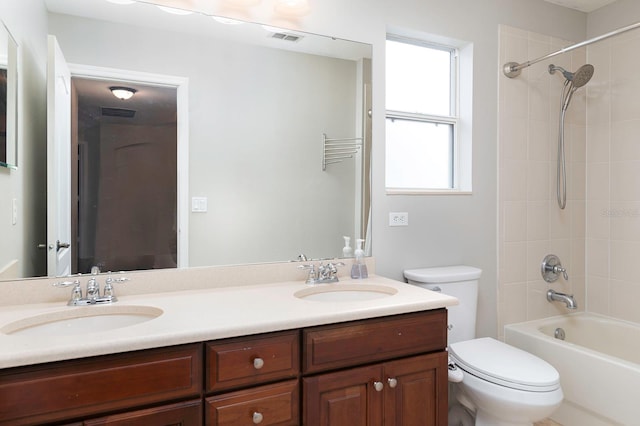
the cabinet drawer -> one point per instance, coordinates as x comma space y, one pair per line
79, 388
358, 342
267, 405
250, 360
183, 413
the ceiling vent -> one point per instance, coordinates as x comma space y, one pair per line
286, 37
118, 112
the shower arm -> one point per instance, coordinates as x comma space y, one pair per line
513, 69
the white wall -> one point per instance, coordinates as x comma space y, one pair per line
28, 25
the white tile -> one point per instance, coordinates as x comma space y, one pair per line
515, 263
597, 258
624, 260
536, 251
623, 302
537, 181
598, 295
625, 180
515, 221
624, 141
598, 217
598, 142
537, 220
513, 139
513, 181
598, 182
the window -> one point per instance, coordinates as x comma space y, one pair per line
422, 117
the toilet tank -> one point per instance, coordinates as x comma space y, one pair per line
460, 282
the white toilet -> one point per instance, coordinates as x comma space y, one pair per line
500, 385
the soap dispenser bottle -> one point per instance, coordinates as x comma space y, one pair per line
359, 268
347, 251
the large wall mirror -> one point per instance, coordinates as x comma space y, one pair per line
274, 138
8, 99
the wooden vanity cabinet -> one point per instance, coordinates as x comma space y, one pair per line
82, 388
404, 385
381, 371
253, 380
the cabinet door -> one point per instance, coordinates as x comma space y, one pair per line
344, 398
416, 391
181, 414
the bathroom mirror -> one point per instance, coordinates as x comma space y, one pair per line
8, 99
259, 101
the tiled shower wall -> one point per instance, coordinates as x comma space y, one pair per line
613, 178
598, 235
530, 223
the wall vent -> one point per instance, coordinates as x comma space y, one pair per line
286, 37
118, 112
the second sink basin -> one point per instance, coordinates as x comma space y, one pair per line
345, 292
86, 319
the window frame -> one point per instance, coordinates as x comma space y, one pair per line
453, 119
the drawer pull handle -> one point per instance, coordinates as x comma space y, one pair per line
392, 382
378, 386
257, 418
258, 363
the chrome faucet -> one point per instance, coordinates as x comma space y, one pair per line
92, 295
567, 299
324, 274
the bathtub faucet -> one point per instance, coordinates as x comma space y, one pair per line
567, 299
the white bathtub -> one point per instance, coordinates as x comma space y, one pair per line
598, 362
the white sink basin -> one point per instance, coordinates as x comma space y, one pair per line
81, 320
345, 292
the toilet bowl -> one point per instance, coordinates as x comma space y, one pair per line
498, 384
503, 385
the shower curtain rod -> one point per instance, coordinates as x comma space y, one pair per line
512, 69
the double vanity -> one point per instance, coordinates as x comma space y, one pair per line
226, 346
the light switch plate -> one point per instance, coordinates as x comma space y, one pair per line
199, 204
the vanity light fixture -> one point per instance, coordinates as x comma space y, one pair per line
242, 3
174, 10
227, 21
292, 7
122, 93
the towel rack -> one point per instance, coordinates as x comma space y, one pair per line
335, 150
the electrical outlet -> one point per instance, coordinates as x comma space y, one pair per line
399, 219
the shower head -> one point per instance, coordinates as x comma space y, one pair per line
578, 78
582, 75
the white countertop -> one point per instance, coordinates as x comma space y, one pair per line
206, 314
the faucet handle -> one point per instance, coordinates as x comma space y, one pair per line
551, 269
76, 292
311, 278
108, 286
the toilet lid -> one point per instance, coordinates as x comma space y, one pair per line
504, 365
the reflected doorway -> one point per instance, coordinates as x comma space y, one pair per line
125, 186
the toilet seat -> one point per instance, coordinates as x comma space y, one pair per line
504, 365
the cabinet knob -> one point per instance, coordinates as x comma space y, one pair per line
257, 418
258, 363
392, 382
378, 386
